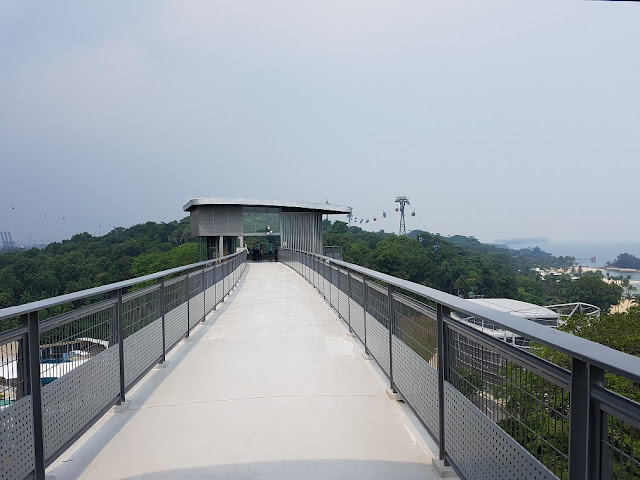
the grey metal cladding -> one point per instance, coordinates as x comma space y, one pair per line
195, 223
206, 222
235, 220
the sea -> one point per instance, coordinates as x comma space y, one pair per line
583, 251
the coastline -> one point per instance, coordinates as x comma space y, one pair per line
618, 269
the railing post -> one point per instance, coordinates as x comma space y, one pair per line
392, 320
364, 311
186, 289
584, 422
120, 324
330, 284
222, 275
35, 388
338, 270
161, 294
215, 288
443, 375
349, 300
204, 294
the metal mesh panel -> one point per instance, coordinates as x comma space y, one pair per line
481, 449
85, 334
416, 326
74, 400
530, 409
13, 370
378, 303
417, 381
142, 350
175, 325
621, 449
16, 433
139, 309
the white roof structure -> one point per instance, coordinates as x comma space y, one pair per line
324, 208
527, 310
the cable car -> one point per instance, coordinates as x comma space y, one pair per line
396, 209
367, 221
374, 219
384, 214
413, 214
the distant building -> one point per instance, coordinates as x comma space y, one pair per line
222, 224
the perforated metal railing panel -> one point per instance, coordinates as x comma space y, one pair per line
141, 351
16, 435
496, 456
219, 291
210, 298
417, 381
196, 309
378, 342
357, 319
75, 399
377, 333
175, 325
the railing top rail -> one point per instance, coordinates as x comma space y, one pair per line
18, 310
593, 353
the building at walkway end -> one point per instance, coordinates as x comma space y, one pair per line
222, 224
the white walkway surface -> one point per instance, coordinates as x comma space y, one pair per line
270, 386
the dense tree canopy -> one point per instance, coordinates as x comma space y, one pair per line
466, 267
85, 261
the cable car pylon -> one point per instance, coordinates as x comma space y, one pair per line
402, 201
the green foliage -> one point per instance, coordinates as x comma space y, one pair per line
469, 381
147, 263
85, 261
625, 260
591, 289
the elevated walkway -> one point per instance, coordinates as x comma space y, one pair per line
269, 386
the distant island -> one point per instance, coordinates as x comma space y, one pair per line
625, 261
523, 241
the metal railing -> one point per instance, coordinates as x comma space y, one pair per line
60, 375
495, 410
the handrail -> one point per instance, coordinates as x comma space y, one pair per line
26, 308
555, 421
607, 358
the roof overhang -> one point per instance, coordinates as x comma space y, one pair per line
516, 307
286, 206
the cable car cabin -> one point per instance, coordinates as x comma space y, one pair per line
374, 219
384, 214
413, 214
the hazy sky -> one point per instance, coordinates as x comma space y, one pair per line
498, 119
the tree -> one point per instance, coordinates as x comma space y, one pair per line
590, 288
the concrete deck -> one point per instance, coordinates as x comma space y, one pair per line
270, 386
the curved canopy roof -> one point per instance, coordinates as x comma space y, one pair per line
286, 206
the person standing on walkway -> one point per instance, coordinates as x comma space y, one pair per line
261, 250
270, 250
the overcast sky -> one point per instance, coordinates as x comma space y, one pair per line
498, 119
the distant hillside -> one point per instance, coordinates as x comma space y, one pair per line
458, 265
